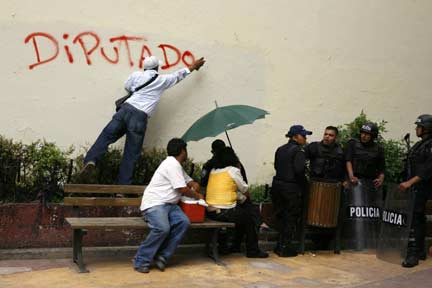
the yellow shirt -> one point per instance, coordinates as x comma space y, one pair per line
222, 187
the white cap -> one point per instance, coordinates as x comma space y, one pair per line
151, 62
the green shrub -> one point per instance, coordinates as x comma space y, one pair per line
108, 167
31, 172
37, 171
258, 193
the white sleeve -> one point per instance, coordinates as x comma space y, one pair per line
128, 83
187, 177
235, 173
175, 175
174, 78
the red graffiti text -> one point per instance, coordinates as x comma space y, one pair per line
89, 47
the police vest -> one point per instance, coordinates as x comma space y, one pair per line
365, 159
419, 154
328, 163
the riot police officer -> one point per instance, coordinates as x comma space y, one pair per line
420, 160
326, 157
365, 165
364, 157
288, 186
327, 163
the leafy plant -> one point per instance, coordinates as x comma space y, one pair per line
108, 167
32, 172
259, 194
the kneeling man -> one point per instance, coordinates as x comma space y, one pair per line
166, 220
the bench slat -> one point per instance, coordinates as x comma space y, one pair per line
101, 201
131, 222
104, 189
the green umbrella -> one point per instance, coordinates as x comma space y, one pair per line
222, 119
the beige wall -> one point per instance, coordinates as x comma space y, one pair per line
309, 62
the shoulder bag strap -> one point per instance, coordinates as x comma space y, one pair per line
146, 84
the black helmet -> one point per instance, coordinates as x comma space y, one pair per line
425, 121
370, 128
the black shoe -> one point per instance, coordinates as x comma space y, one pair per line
410, 261
259, 254
285, 251
160, 263
143, 269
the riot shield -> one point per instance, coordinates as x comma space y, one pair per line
362, 209
395, 225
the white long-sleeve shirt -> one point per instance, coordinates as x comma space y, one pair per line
147, 98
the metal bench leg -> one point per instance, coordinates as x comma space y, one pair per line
77, 250
213, 251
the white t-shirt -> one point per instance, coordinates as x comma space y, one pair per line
162, 189
147, 98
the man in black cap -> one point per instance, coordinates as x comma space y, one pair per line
288, 187
420, 160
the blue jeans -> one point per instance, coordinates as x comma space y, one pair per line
167, 225
132, 122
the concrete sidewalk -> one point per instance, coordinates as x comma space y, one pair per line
324, 269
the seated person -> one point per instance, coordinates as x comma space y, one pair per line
166, 220
225, 181
216, 147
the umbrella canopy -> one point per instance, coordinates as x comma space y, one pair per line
222, 119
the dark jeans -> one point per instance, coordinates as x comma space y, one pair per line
167, 225
132, 122
245, 225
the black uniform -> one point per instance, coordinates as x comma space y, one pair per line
420, 158
361, 230
287, 190
326, 161
327, 164
367, 159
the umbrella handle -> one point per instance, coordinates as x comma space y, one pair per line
229, 141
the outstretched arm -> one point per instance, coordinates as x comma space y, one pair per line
197, 64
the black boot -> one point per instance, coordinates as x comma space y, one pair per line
286, 250
410, 261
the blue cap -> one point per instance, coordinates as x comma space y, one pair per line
297, 129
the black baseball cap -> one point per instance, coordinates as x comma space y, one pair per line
297, 129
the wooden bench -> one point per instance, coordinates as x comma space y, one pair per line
107, 195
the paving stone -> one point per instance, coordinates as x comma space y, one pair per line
13, 270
